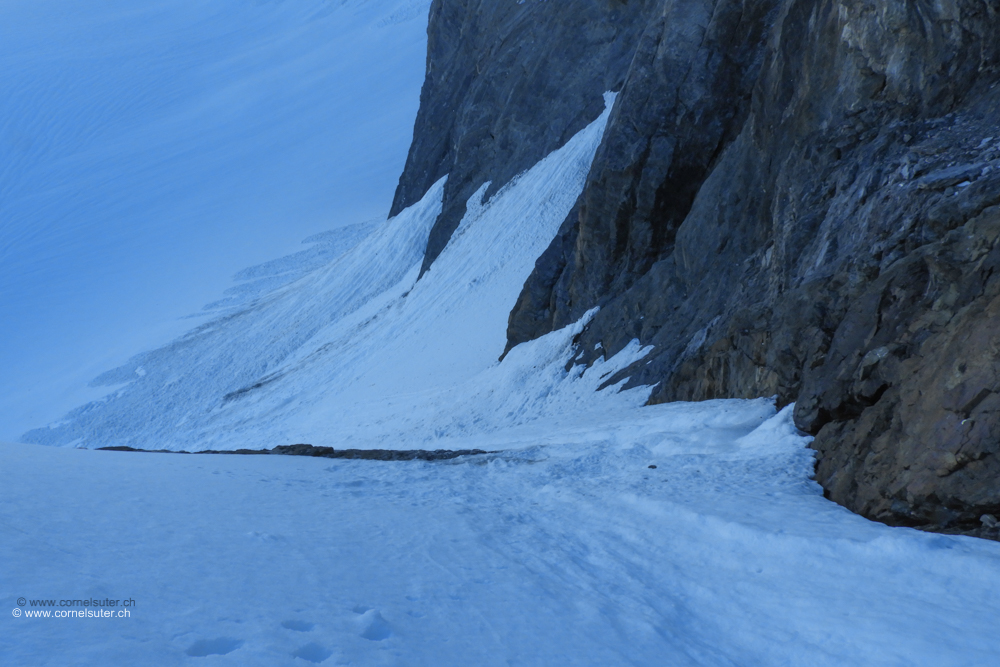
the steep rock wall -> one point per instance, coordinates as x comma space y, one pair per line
507, 83
793, 197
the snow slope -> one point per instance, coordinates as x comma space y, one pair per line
355, 352
149, 151
571, 551
565, 546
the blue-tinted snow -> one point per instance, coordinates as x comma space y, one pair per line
150, 150
357, 352
565, 550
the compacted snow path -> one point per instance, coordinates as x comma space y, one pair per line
567, 549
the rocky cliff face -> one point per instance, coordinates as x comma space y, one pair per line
508, 83
793, 197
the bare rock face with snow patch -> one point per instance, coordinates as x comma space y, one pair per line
792, 197
508, 83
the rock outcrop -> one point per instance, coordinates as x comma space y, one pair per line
797, 198
508, 83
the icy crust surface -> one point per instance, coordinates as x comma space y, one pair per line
358, 352
566, 549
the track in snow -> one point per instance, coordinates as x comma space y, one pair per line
570, 551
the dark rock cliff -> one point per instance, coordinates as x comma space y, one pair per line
508, 83
797, 198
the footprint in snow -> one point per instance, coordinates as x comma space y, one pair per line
217, 646
312, 652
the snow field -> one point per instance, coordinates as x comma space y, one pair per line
570, 551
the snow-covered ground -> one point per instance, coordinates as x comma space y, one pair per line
358, 352
568, 549
150, 150
128, 191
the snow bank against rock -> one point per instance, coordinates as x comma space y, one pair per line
358, 352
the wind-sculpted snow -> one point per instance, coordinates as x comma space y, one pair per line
149, 150
223, 360
359, 352
257, 281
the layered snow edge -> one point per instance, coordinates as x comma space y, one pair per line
359, 352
